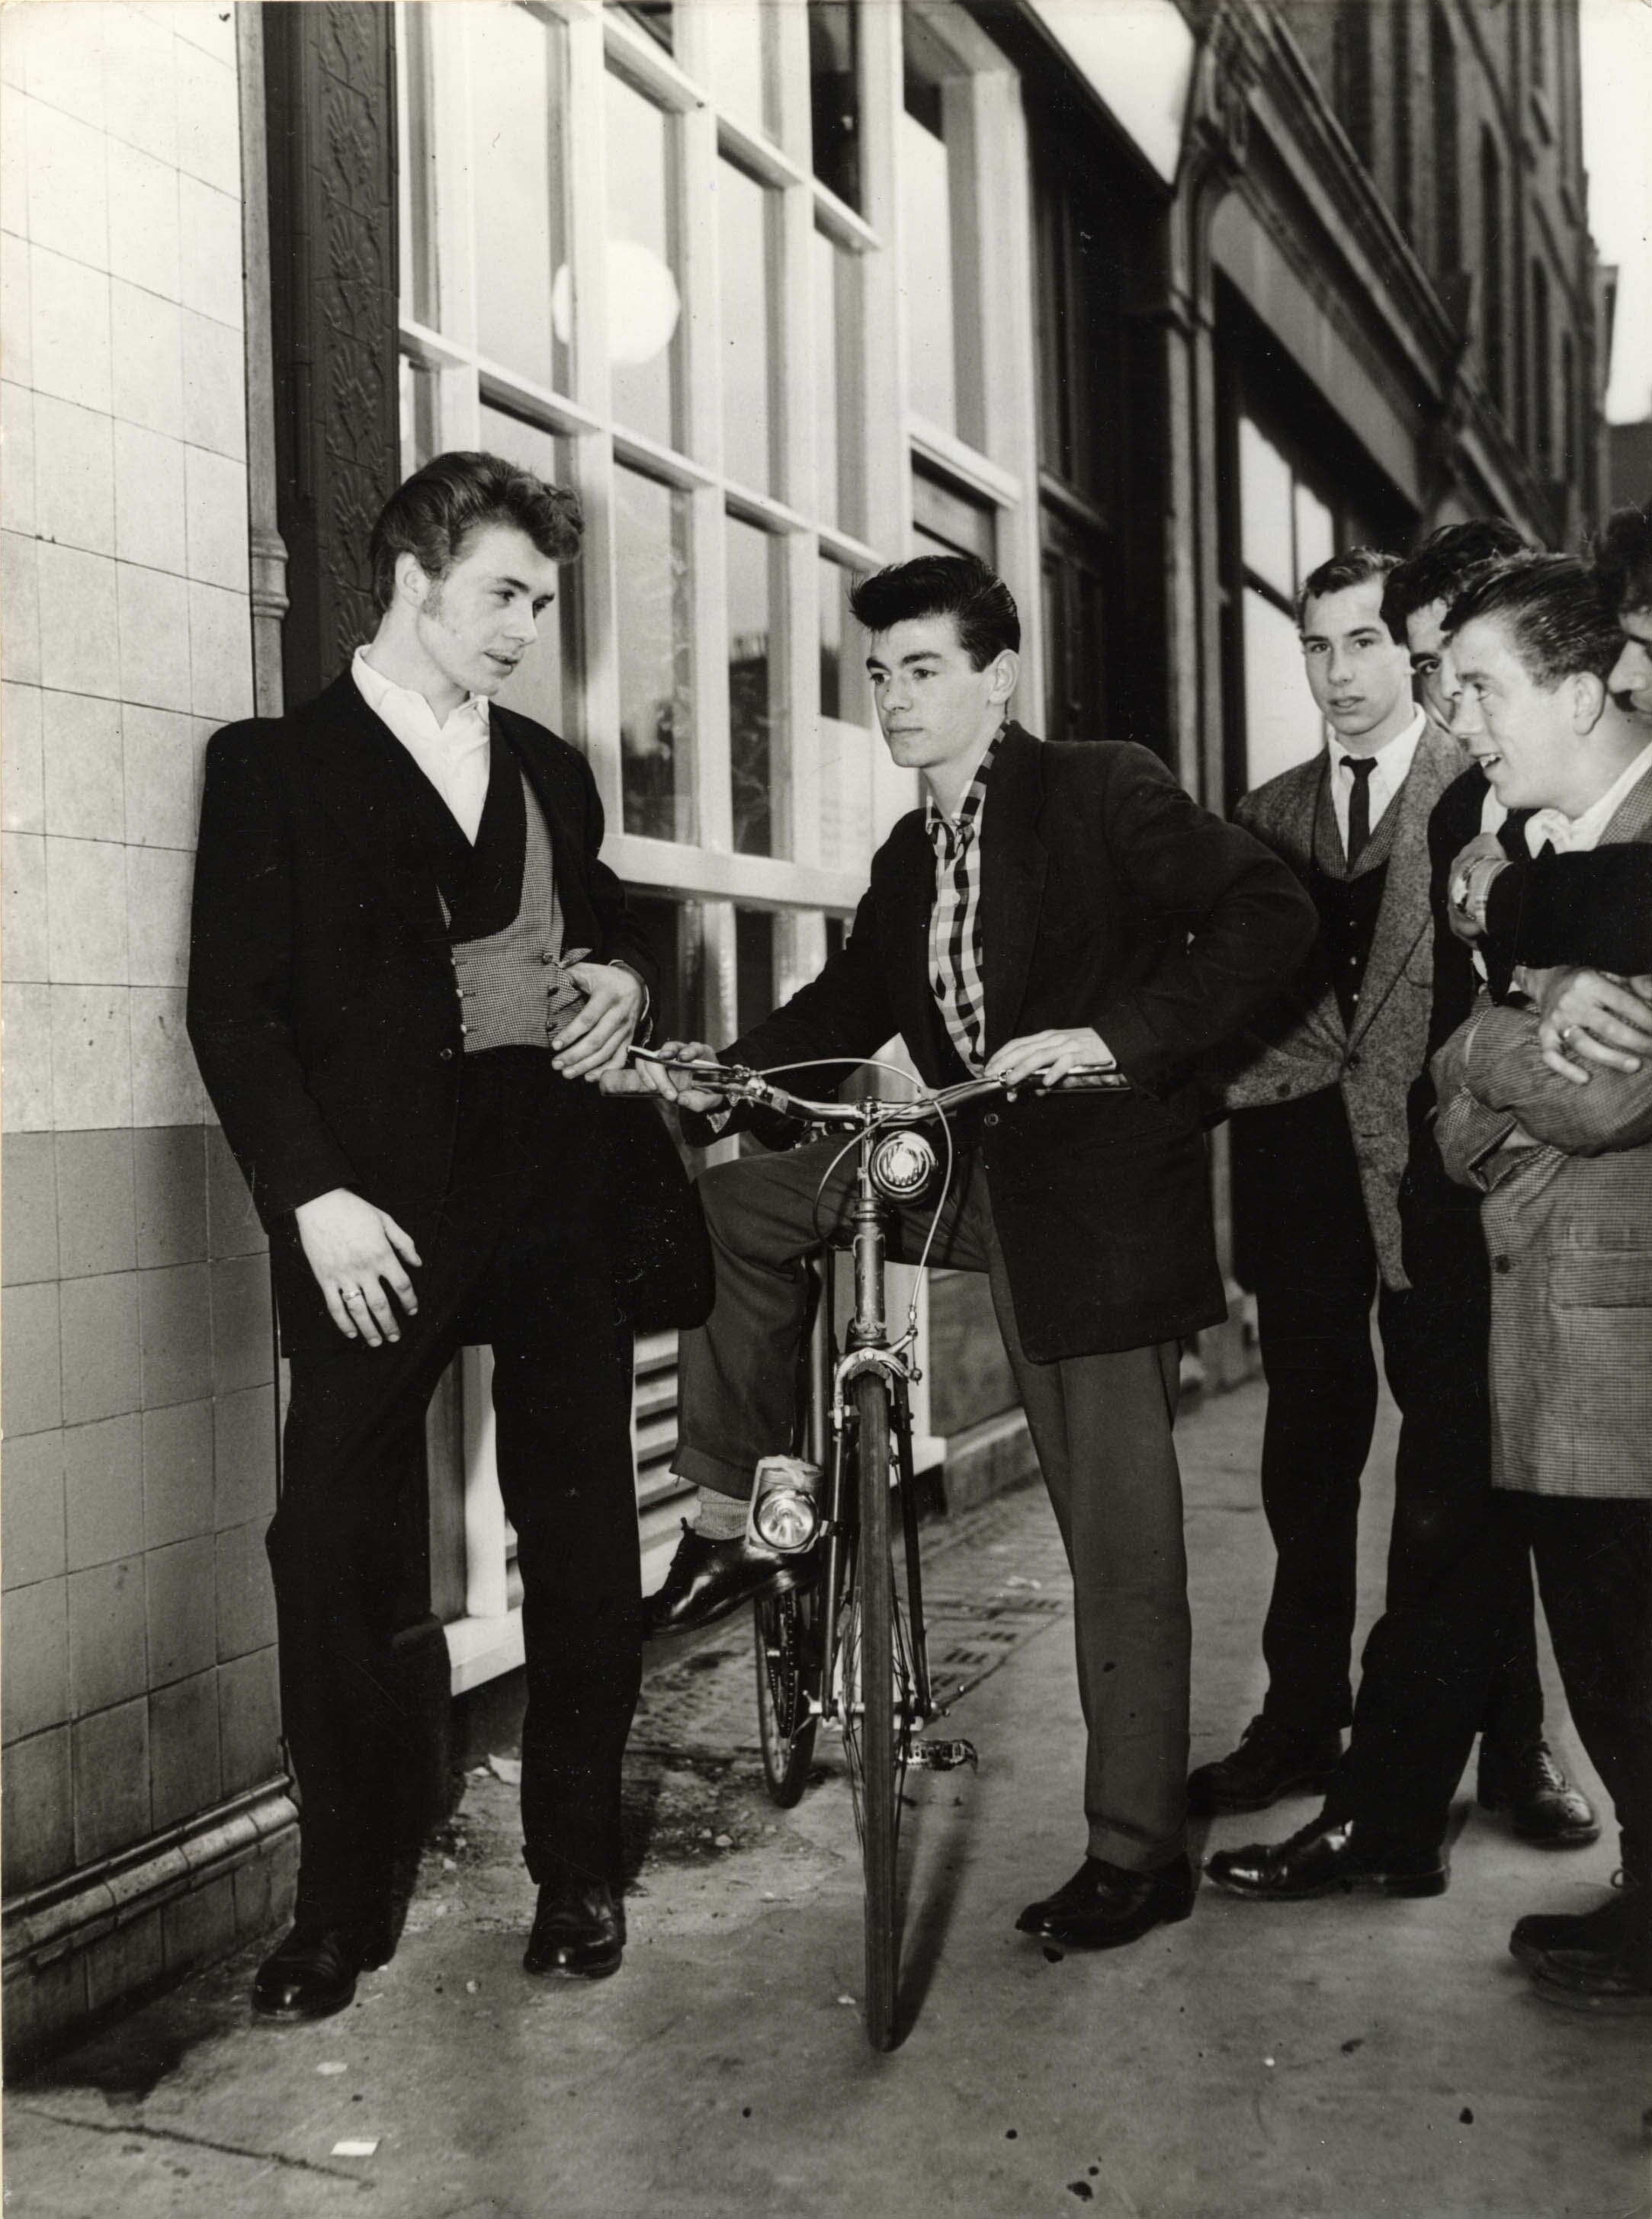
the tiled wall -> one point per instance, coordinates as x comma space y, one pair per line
140, 1451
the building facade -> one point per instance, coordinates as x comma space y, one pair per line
1149, 306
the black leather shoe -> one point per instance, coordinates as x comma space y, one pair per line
311, 1975
1104, 1906
1547, 1811
1271, 1760
1602, 1932
579, 1930
1618, 1986
709, 1579
1320, 1860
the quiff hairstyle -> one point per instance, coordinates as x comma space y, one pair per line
1445, 564
435, 512
957, 586
1554, 607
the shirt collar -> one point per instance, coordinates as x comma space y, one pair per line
970, 809
385, 698
1392, 758
1578, 835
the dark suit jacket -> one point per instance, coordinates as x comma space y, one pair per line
321, 1005
1107, 898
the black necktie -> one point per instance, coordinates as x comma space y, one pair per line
1359, 768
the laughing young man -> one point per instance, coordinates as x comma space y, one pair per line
1048, 906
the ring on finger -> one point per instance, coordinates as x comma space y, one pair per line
355, 1295
1568, 1035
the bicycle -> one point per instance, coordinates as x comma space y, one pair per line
823, 1651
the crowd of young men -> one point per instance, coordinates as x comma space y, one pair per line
413, 981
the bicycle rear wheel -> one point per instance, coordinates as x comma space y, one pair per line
880, 1704
786, 1630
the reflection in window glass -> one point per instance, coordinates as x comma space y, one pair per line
1282, 726
674, 929
949, 521
844, 743
744, 212
1316, 535
835, 96
644, 306
519, 187
416, 198
652, 623
734, 33
1265, 509
753, 756
754, 965
927, 254
834, 614
418, 432
541, 686
836, 279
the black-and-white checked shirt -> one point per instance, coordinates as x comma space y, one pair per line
955, 920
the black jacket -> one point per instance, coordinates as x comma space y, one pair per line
321, 1004
1109, 900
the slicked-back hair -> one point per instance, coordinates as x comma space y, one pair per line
435, 512
957, 586
1445, 564
1354, 566
1621, 555
1555, 611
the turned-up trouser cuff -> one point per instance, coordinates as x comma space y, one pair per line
1101, 1425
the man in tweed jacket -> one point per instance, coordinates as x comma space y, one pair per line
1320, 1154
1554, 708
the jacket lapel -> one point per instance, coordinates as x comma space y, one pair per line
1014, 864
1404, 918
1632, 818
905, 887
354, 778
561, 804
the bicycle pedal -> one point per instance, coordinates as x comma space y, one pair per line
942, 1756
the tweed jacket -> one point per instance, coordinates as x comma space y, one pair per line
1301, 1044
1569, 1223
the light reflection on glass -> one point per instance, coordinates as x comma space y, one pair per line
1281, 727
835, 281
927, 255
652, 624
642, 318
517, 57
744, 213
752, 753
1265, 509
733, 31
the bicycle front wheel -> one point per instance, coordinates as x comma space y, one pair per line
878, 1704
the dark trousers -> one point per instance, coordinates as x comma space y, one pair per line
515, 1256
1101, 1425
1428, 1667
1315, 1266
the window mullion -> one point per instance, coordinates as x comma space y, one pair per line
452, 123
1004, 234
587, 217
883, 380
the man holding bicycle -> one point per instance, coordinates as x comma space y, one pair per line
1051, 908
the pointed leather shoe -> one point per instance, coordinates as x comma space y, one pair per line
1323, 1859
1102, 1905
1602, 1932
707, 1580
1271, 1760
1544, 1807
579, 1930
310, 1976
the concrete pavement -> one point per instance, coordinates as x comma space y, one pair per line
1348, 2058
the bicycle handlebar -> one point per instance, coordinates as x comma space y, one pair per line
738, 1084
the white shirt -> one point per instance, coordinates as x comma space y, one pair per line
1392, 760
1580, 835
453, 757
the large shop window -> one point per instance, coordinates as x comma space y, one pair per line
1285, 530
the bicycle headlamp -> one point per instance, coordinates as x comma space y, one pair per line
785, 1514
902, 1165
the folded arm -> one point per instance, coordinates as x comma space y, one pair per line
1493, 1082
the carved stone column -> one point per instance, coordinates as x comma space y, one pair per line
330, 70
330, 79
